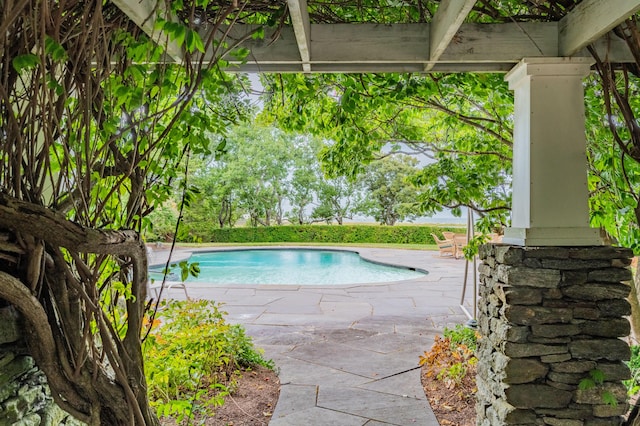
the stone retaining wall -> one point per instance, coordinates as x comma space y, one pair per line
550, 317
25, 399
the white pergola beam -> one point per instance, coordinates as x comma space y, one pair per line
143, 13
400, 48
590, 20
444, 26
302, 28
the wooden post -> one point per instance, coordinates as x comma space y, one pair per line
550, 196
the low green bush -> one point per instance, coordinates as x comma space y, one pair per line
633, 384
192, 358
398, 234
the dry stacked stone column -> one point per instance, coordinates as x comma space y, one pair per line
549, 317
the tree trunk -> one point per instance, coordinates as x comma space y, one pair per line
94, 374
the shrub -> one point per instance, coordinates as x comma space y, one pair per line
461, 335
633, 384
193, 357
451, 359
399, 234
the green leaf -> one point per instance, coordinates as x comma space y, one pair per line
609, 398
241, 53
53, 84
25, 62
258, 34
194, 42
180, 33
54, 49
137, 72
586, 384
597, 376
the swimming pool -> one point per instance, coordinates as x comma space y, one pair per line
292, 266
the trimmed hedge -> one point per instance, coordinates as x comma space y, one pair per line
397, 234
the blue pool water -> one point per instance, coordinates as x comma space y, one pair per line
292, 266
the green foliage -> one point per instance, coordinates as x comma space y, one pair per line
451, 359
614, 178
25, 62
461, 335
161, 223
596, 379
187, 269
473, 246
462, 122
399, 234
192, 357
633, 384
390, 197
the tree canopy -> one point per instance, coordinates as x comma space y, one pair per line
97, 125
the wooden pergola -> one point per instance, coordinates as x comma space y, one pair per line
545, 62
446, 44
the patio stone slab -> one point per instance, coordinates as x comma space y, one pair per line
294, 398
355, 361
299, 319
390, 343
306, 373
346, 309
378, 406
318, 416
405, 384
383, 343
371, 290
337, 297
240, 314
279, 335
299, 303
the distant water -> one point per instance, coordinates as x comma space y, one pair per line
447, 220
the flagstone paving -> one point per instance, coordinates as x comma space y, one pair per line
348, 355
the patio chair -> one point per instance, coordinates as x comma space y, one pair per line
446, 247
459, 241
448, 235
156, 284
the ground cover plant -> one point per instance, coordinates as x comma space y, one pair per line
194, 359
448, 376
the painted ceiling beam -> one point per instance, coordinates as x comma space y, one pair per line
302, 28
400, 48
444, 26
590, 20
143, 13
371, 47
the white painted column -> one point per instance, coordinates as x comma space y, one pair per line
550, 195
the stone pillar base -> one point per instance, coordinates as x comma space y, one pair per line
549, 318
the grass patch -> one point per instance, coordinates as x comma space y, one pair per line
431, 247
